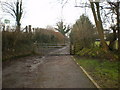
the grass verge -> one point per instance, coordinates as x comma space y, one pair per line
105, 73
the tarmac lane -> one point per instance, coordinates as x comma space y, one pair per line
56, 70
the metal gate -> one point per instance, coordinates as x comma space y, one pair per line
47, 49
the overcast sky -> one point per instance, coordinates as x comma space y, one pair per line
40, 13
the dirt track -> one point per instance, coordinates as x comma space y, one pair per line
57, 70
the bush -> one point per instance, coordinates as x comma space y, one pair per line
48, 36
21, 43
83, 32
97, 53
15, 44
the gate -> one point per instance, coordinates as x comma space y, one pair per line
47, 49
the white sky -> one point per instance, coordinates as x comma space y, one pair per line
40, 13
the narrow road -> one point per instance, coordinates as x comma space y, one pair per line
56, 70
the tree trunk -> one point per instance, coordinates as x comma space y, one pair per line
26, 29
118, 23
18, 28
99, 25
118, 20
112, 41
18, 24
30, 29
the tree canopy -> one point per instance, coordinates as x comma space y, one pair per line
83, 32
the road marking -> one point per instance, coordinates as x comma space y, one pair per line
87, 75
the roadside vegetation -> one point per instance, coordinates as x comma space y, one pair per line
104, 72
97, 49
99, 46
85, 41
16, 44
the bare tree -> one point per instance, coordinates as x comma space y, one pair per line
114, 12
15, 9
115, 7
95, 6
97, 17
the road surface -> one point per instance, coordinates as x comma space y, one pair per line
56, 70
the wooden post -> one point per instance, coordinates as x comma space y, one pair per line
29, 28
7, 28
3, 28
33, 29
72, 49
26, 28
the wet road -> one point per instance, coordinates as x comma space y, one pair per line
56, 70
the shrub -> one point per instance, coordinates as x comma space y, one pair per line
15, 44
97, 53
22, 43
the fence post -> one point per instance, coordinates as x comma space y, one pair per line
29, 28
33, 30
72, 48
3, 27
26, 28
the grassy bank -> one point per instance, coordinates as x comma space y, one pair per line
104, 72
